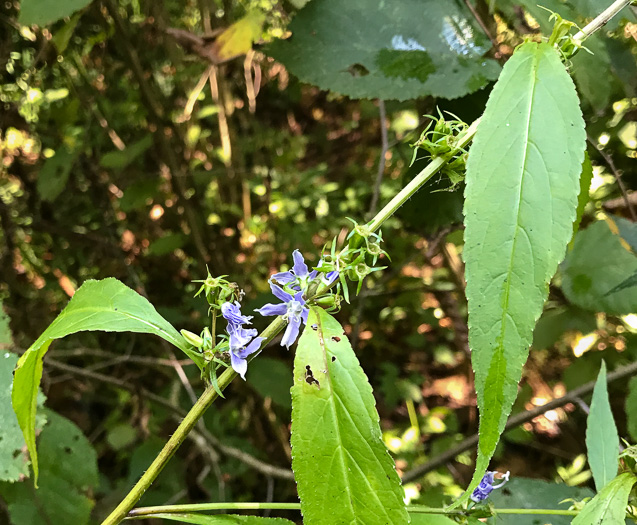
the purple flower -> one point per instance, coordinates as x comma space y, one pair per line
232, 313
300, 274
486, 486
242, 340
328, 277
238, 354
293, 308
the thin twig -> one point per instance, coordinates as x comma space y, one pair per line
617, 175
516, 421
251, 461
483, 26
601, 20
383, 154
372, 210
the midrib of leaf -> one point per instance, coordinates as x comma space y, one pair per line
332, 405
499, 356
96, 311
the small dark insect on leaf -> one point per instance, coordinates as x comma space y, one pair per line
333, 358
309, 377
336, 339
315, 327
357, 70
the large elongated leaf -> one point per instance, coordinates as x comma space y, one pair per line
398, 49
602, 440
220, 519
609, 506
106, 305
522, 187
342, 468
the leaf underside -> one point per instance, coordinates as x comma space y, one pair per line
371, 49
342, 468
106, 305
520, 201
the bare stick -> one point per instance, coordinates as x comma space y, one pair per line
516, 421
601, 20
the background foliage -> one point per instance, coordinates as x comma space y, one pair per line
130, 149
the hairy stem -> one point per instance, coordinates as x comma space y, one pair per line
188, 423
417, 182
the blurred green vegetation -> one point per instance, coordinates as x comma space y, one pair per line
126, 152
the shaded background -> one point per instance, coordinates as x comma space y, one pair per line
131, 149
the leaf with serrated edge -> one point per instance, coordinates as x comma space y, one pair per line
371, 49
582, 199
106, 305
522, 187
602, 439
343, 471
609, 506
229, 519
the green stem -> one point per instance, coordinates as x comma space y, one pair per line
199, 507
184, 428
413, 509
419, 509
209, 395
417, 182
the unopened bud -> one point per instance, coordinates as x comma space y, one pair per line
192, 339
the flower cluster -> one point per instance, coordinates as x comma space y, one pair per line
294, 307
242, 341
486, 485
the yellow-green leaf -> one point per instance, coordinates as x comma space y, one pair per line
237, 39
520, 200
106, 305
343, 471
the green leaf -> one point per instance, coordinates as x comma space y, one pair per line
167, 244
14, 462
271, 378
68, 476
369, 50
106, 305
218, 519
339, 460
631, 409
6, 337
43, 12
602, 439
120, 159
523, 493
597, 267
54, 174
582, 200
595, 88
138, 194
609, 506
527, 156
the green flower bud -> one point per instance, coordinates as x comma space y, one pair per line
192, 339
